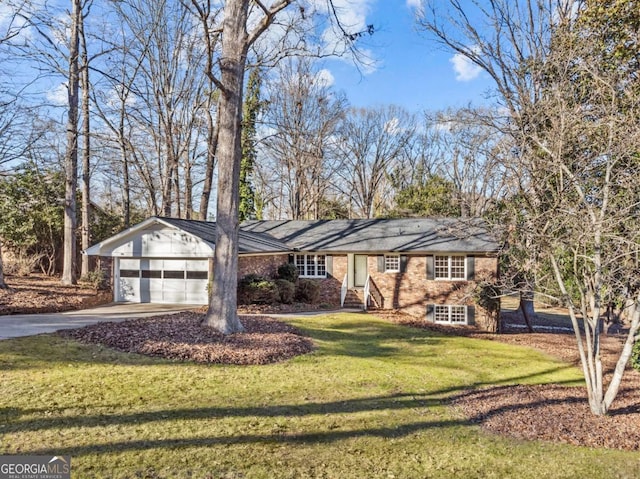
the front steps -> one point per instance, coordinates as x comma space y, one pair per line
354, 299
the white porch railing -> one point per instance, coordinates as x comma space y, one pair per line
343, 291
367, 292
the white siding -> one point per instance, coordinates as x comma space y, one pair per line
163, 242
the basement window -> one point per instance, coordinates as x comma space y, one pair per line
451, 314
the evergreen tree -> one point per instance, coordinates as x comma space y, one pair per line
251, 109
434, 197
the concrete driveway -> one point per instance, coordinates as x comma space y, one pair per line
13, 326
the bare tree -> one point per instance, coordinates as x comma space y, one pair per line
69, 264
573, 118
301, 119
372, 143
85, 233
471, 150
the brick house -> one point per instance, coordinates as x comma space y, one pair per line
425, 267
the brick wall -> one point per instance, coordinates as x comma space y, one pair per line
330, 287
411, 291
266, 265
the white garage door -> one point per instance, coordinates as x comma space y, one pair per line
162, 280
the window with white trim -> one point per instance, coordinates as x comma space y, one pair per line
445, 313
391, 263
311, 265
450, 267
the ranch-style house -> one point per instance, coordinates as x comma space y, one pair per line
423, 266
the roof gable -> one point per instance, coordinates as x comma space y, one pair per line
158, 236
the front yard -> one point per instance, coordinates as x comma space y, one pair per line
371, 401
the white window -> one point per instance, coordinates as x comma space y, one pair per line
391, 263
311, 265
450, 267
444, 313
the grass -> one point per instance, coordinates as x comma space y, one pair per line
368, 403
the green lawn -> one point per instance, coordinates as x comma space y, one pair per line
367, 404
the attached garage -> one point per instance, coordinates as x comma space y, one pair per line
167, 260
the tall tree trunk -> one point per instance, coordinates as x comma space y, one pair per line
213, 127
3, 285
86, 156
69, 273
188, 189
222, 314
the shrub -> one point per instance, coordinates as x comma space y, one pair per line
287, 290
635, 356
288, 271
96, 279
255, 289
307, 291
22, 264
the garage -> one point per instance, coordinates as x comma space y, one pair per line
167, 260
148, 280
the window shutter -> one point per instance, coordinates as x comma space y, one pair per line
471, 315
328, 263
292, 259
380, 263
403, 263
471, 268
431, 317
430, 268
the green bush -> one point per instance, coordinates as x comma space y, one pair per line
635, 356
96, 279
287, 290
255, 289
307, 291
288, 272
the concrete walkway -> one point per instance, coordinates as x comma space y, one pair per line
13, 326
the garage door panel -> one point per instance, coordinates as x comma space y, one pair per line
196, 292
163, 281
128, 289
197, 265
173, 291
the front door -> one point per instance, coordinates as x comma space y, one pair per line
360, 270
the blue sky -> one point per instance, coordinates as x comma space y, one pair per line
413, 71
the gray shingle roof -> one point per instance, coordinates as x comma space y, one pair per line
248, 241
445, 235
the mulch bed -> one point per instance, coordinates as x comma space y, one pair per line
180, 337
549, 412
39, 293
554, 413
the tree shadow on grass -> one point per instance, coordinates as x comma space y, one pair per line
328, 436
397, 401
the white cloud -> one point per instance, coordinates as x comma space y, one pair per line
415, 4
352, 15
325, 78
465, 69
58, 95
